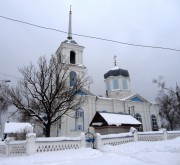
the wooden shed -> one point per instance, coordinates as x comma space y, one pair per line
112, 123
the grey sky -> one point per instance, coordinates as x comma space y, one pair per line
153, 22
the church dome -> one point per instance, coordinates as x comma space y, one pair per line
116, 72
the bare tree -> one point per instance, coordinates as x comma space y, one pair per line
45, 93
3, 103
169, 103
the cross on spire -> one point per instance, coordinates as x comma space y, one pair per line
114, 60
70, 26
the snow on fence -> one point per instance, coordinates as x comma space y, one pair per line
117, 139
133, 135
56, 144
151, 136
33, 145
13, 148
172, 134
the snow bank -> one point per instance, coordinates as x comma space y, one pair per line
136, 153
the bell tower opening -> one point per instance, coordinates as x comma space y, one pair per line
72, 57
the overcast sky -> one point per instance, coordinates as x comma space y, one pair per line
145, 22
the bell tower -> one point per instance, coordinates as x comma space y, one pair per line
71, 52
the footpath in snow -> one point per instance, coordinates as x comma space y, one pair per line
134, 153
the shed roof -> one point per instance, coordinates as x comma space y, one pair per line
117, 119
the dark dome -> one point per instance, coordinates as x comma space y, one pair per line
116, 72
70, 41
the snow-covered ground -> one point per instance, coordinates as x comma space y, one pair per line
134, 153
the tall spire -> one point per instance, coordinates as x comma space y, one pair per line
70, 27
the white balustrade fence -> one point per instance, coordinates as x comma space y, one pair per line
151, 136
33, 145
133, 135
172, 134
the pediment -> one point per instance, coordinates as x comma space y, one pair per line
136, 98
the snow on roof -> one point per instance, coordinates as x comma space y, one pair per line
134, 95
13, 127
119, 119
115, 68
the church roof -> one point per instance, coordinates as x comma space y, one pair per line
136, 97
116, 72
70, 42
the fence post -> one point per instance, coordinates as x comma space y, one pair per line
165, 134
7, 147
31, 143
98, 143
134, 133
83, 143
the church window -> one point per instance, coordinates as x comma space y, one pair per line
79, 127
139, 118
115, 84
72, 57
107, 86
154, 123
73, 77
124, 84
79, 120
79, 114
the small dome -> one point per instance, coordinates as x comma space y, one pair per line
116, 72
70, 42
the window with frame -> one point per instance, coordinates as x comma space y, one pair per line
73, 78
154, 123
79, 114
139, 118
79, 120
79, 128
124, 84
115, 84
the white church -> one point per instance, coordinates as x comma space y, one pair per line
119, 100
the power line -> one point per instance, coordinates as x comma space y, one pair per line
92, 37
10, 75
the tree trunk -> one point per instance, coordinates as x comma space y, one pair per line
171, 126
48, 130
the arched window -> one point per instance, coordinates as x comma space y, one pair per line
139, 118
72, 57
154, 123
73, 78
79, 120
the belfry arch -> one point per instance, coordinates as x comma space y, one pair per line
72, 57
